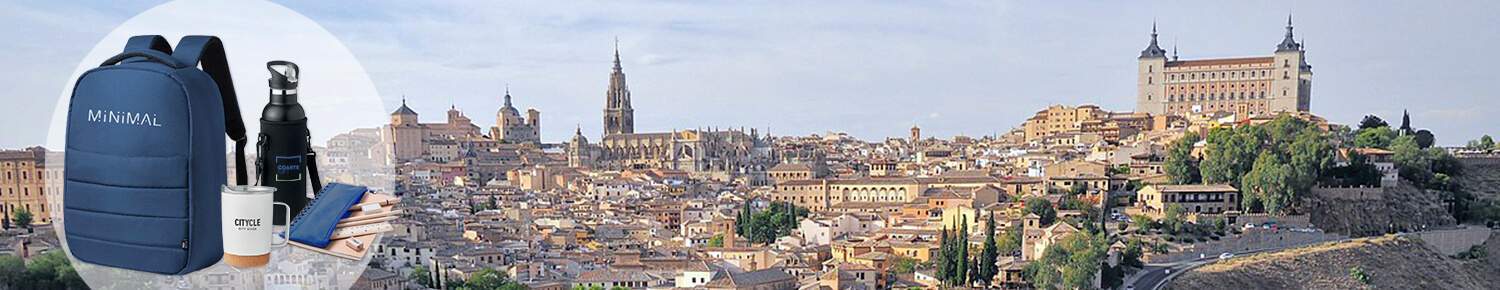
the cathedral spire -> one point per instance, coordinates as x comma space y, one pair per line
619, 117
617, 53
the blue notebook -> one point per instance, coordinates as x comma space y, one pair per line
315, 224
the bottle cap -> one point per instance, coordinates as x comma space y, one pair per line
283, 74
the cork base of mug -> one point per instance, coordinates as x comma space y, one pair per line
247, 261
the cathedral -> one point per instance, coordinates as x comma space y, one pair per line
692, 150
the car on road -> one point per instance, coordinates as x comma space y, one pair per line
1226, 255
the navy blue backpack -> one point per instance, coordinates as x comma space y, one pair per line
145, 156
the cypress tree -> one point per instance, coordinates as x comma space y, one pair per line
990, 254
942, 257
963, 251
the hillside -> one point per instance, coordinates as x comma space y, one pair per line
1481, 177
1392, 262
1404, 207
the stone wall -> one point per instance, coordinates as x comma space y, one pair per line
1350, 192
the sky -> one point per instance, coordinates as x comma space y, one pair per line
872, 69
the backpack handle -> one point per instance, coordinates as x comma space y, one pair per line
150, 55
148, 42
209, 51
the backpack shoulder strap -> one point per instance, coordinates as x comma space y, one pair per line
209, 51
148, 42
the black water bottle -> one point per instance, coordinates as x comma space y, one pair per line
285, 158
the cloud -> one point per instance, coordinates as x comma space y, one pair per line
814, 66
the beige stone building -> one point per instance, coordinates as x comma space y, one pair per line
1205, 199
1260, 85
404, 139
1060, 121
882, 194
1035, 239
23, 183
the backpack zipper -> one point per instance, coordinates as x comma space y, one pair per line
184, 244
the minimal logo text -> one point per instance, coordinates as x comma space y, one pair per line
123, 117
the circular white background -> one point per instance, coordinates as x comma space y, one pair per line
335, 91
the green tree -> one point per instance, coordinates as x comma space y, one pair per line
962, 277
945, 256
1358, 172
1413, 163
1311, 154
1425, 139
1172, 218
1142, 223
1229, 154
420, 275
1072, 263
488, 279
1379, 137
778, 220
717, 241
12, 271
904, 265
1042, 208
52, 270
1131, 256
1372, 121
989, 255
1181, 167
22, 218
1011, 242
1269, 186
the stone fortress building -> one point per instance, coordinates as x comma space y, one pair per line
1261, 85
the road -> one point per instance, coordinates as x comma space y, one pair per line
1153, 275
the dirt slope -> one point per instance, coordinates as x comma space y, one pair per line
1481, 177
1404, 207
1392, 262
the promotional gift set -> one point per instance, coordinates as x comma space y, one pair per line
145, 187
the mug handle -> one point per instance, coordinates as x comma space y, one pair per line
283, 234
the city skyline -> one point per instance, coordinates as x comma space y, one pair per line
972, 69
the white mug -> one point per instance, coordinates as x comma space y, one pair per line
248, 233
